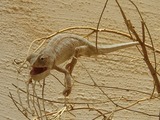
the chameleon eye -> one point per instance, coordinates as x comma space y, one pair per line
42, 58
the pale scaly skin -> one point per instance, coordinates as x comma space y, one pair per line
61, 48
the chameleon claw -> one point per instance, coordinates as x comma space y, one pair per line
67, 91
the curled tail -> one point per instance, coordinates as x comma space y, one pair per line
115, 47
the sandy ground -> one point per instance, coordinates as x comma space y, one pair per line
22, 21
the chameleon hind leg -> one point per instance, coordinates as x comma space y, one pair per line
79, 51
71, 65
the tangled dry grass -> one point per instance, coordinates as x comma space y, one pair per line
36, 106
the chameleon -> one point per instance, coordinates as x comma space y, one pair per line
62, 47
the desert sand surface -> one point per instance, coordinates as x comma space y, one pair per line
23, 21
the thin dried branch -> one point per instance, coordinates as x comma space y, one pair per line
99, 23
148, 32
94, 30
133, 104
86, 28
43, 102
118, 88
15, 103
90, 109
120, 107
60, 102
34, 101
144, 50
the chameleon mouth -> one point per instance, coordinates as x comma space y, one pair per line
38, 70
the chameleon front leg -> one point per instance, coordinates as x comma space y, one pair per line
68, 85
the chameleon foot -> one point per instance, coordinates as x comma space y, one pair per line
67, 91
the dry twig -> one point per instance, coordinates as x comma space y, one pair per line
142, 43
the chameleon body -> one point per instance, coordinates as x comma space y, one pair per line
61, 48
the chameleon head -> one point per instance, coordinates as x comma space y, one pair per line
41, 66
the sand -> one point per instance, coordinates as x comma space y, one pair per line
23, 21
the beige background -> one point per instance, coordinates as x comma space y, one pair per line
22, 21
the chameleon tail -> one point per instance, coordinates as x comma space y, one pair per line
115, 47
